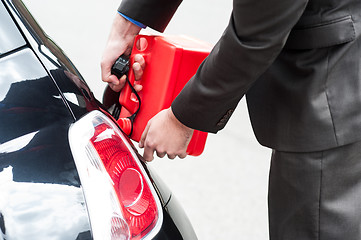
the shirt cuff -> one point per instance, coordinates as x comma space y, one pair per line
141, 25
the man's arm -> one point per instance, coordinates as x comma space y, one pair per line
256, 34
253, 39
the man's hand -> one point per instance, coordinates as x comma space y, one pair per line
120, 41
164, 134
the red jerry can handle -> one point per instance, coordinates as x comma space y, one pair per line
127, 98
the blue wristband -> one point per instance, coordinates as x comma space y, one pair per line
141, 25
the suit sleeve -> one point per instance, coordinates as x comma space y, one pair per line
152, 13
256, 34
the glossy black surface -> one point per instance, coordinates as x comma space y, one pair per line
10, 37
41, 95
76, 93
29, 100
39, 184
176, 225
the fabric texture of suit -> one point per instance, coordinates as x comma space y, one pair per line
316, 196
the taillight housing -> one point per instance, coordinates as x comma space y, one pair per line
121, 200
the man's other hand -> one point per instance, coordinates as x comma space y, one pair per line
165, 135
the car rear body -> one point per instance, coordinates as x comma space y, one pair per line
42, 96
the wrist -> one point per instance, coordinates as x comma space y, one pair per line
139, 24
125, 27
177, 122
122, 35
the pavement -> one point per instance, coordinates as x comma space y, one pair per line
223, 191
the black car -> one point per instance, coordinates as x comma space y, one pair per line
67, 171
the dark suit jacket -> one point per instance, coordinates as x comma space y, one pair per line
297, 61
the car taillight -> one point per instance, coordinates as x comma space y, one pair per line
120, 198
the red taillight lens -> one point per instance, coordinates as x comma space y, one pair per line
134, 212
137, 202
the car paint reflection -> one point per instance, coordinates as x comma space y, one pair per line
10, 37
41, 197
27, 207
15, 68
17, 143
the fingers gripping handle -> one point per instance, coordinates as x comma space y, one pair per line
123, 66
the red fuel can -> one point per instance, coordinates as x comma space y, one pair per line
170, 62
